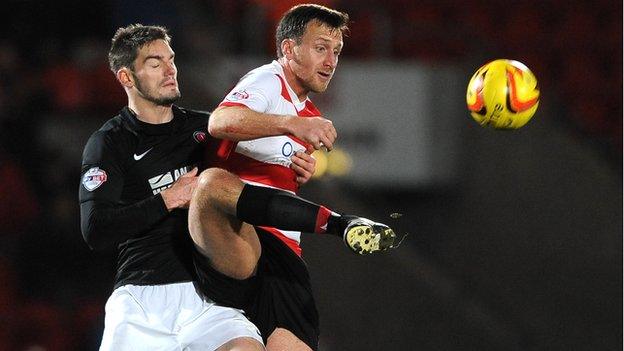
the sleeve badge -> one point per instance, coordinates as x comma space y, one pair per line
93, 178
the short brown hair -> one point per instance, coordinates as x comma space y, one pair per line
293, 23
128, 40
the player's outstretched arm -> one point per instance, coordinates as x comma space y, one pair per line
239, 123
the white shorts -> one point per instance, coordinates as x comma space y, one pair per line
170, 317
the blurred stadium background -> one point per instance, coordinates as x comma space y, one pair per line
515, 238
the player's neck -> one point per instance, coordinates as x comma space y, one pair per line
148, 112
291, 79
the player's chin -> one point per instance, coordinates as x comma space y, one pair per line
171, 91
320, 87
169, 98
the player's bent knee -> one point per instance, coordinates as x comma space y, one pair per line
242, 344
217, 188
215, 177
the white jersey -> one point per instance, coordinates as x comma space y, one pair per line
266, 161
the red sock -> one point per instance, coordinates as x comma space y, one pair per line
322, 218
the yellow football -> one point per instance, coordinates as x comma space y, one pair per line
502, 94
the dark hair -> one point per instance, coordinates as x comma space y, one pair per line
293, 23
128, 40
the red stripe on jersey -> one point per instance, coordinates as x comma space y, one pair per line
309, 110
285, 94
292, 244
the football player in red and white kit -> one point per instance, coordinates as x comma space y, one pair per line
267, 119
276, 89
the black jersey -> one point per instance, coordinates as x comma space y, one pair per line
125, 166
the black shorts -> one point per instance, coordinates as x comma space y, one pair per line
279, 295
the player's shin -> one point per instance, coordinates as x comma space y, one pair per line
277, 208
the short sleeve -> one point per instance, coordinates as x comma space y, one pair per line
257, 90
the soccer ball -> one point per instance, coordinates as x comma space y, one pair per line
503, 94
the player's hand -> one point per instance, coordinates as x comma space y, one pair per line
317, 131
304, 166
180, 193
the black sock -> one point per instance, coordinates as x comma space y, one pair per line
280, 209
335, 224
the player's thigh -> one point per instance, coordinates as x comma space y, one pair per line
231, 246
127, 328
283, 340
233, 251
220, 328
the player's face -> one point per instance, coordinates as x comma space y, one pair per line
155, 74
315, 59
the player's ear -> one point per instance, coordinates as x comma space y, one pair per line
125, 77
287, 48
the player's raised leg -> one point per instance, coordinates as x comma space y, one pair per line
281, 209
222, 205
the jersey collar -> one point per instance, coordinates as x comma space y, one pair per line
153, 129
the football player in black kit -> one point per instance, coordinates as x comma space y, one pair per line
139, 174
